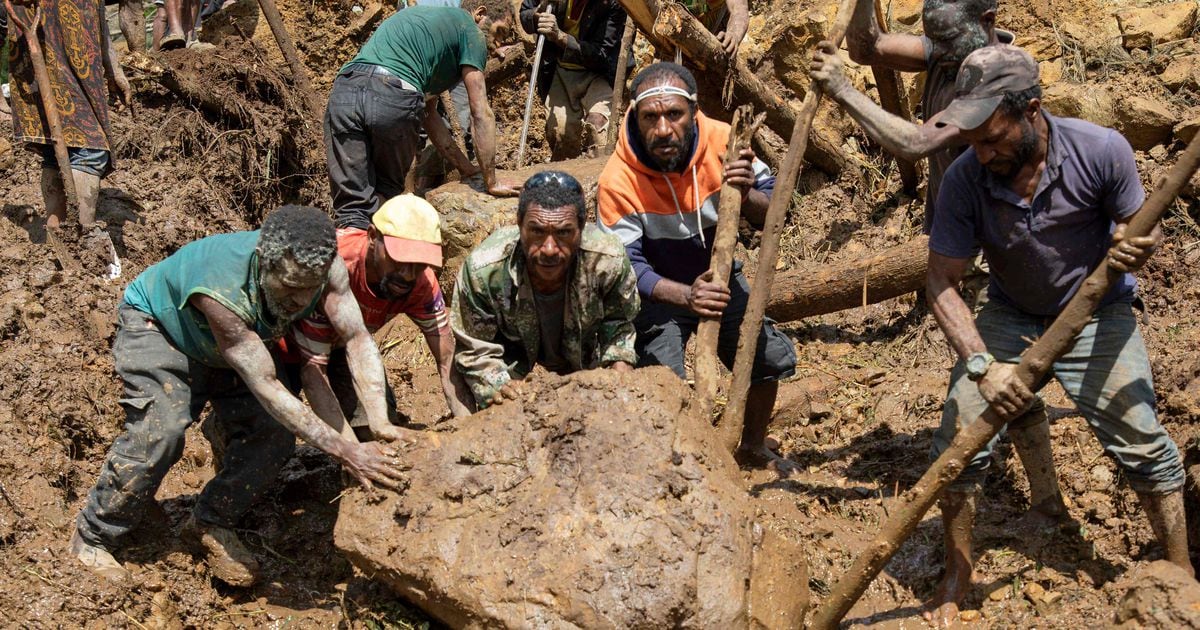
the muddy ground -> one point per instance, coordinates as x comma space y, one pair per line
229, 141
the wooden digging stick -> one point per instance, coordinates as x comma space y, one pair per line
768, 252
46, 93
299, 72
895, 102
970, 440
729, 213
533, 75
617, 111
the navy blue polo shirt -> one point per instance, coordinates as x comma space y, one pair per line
1041, 252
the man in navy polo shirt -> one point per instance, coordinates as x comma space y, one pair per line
1046, 199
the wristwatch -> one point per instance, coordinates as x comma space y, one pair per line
978, 364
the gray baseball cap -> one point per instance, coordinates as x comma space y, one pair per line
985, 76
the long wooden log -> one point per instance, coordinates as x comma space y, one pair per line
838, 286
667, 25
768, 251
895, 102
729, 212
299, 72
1034, 364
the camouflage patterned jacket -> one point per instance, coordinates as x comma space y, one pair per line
495, 320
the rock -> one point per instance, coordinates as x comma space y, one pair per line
469, 216
793, 46
6, 155
1147, 26
1043, 47
1102, 476
1144, 121
906, 12
1033, 592
1187, 129
1050, 72
1181, 73
969, 616
1000, 594
1159, 595
1078, 100
597, 500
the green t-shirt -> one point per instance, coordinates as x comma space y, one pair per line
223, 267
426, 46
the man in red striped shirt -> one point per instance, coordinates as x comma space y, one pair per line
391, 258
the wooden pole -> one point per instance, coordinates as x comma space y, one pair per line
728, 213
1034, 364
617, 111
537, 63
768, 251
299, 72
668, 25
895, 102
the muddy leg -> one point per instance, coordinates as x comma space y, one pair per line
1166, 515
176, 14
958, 522
160, 26
133, 25
1032, 443
753, 451
54, 196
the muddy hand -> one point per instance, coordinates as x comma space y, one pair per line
732, 36
707, 298
393, 433
1130, 254
373, 462
740, 172
1001, 388
827, 69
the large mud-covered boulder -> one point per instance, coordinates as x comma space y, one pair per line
1160, 595
469, 215
598, 500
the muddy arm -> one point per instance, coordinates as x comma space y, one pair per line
454, 387
870, 46
443, 140
952, 313
315, 380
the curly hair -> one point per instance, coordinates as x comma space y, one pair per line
552, 189
1014, 104
663, 71
306, 233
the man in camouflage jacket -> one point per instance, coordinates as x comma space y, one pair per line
552, 290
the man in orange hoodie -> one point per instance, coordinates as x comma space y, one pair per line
659, 194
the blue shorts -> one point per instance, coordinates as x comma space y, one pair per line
91, 161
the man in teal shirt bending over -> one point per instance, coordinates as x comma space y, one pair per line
191, 330
381, 99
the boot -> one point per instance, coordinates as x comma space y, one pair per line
228, 559
98, 559
1032, 443
1169, 523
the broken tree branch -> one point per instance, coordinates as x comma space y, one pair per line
1034, 364
667, 25
299, 72
834, 287
728, 215
768, 251
617, 111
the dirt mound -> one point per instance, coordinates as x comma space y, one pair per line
598, 500
1159, 595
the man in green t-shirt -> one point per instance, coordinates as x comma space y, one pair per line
191, 332
382, 98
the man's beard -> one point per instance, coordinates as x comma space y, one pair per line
672, 164
393, 289
1025, 149
281, 313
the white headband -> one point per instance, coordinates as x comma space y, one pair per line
663, 90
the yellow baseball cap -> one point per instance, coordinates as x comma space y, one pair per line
411, 229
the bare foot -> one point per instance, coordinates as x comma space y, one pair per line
1049, 514
763, 457
941, 610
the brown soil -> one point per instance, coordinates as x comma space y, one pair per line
857, 417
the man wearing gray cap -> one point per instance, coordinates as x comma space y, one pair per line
1046, 199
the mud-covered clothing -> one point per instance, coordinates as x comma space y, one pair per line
939, 92
1106, 373
313, 338
165, 392
73, 43
600, 25
495, 319
1040, 253
426, 47
667, 221
223, 267
663, 331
